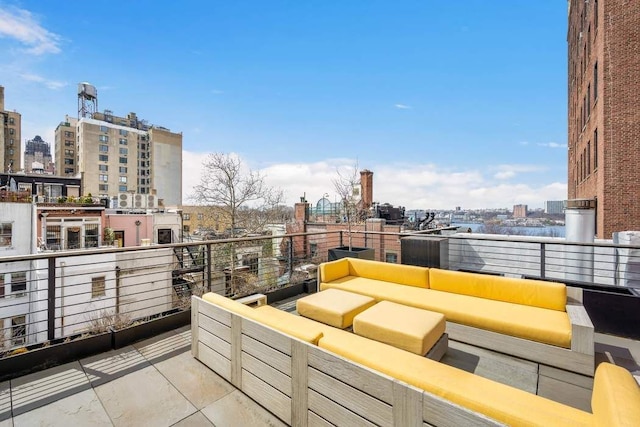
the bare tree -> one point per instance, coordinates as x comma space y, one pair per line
239, 195
347, 186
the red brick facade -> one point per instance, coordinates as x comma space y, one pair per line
604, 110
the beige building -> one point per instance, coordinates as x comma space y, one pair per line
37, 156
65, 148
10, 138
122, 158
520, 211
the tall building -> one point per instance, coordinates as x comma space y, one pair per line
520, 211
37, 156
66, 148
10, 137
120, 157
554, 207
604, 119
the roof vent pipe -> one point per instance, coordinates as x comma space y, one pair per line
580, 227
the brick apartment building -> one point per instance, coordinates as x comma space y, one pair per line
604, 119
10, 137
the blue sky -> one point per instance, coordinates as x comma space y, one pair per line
448, 103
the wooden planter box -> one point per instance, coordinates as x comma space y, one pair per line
355, 252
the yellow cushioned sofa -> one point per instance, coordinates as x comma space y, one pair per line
304, 371
522, 317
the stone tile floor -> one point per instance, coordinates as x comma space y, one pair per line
157, 382
151, 383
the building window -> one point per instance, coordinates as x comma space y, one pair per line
104, 129
595, 81
53, 237
68, 134
103, 168
595, 149
123, 141
588, 158
98, 287
103, 187
200, 217
68, 171
11, 120
91, 235
103, 138
68, 161
6, 229
11, 141
123, 179
104, 148
18, 330
122, 188
124, 132
11, 131
589, 100
68, 143
68, 152
11, 151
595, 14
103, 157
123, 160
123, 169
124, 151
19, 284
104, 178
391, 257
185, 228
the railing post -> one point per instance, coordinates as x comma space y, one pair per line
290, 256
209, 264
543, 257
51, 299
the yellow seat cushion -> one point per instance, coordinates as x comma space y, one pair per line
498, 401
533, 323
287, 323
404, 327
536, 293
616, 397
333, 307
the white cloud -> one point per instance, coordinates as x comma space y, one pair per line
51, 84
510, 171
413, 185
402, 106
552, 145
21, 25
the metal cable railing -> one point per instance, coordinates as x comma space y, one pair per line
56, 296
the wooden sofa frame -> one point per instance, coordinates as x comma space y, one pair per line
304, 385
580, 358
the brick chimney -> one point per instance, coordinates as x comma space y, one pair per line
366, 182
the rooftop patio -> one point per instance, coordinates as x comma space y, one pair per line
156, 381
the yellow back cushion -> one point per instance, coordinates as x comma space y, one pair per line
295, 326
330, 271
498, 401
616, 397
396, 273
535, 293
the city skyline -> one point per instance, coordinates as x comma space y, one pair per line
447, 107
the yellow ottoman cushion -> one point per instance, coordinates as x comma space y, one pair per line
333, 307
404, 327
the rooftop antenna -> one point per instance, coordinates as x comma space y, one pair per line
87, 100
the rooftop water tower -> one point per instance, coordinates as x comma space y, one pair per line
87, 100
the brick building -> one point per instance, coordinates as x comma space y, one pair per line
604, 119
10, 137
